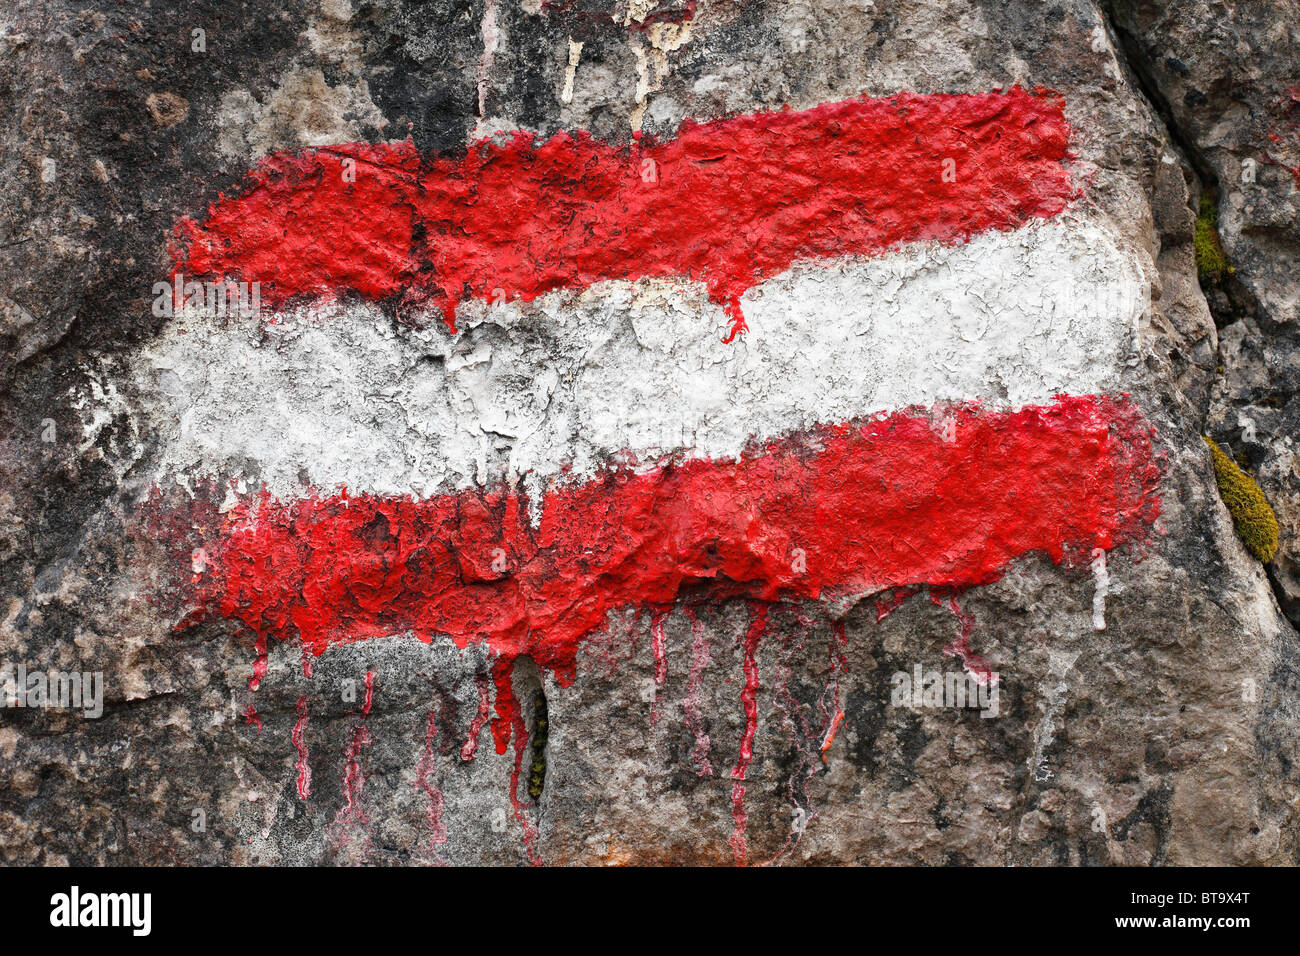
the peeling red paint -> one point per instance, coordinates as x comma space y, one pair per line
728, 203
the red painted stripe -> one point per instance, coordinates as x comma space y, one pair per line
730, 203
893, 501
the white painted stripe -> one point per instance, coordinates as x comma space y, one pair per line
338, 396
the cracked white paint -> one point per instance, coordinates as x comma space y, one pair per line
340, 396
637, 11
100, 406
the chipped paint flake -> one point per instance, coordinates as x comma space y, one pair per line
571, 70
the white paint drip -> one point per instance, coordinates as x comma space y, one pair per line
571, 70
664, 38
1101, 586
340, 396
1052, 692
491, 43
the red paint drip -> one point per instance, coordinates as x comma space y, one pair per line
839, 650
522, 816
749, 699
883, 503
299, 738
960, 648
530, 216
509, 715
353, 811
370, 693
749, 696
794, 720
838, 665
700, 659
660, 647
470, 746
352, 816
605, 646
659, 644
510, 722
830, 734
423, 773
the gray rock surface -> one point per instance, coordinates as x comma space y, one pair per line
1168, 738
1227, 80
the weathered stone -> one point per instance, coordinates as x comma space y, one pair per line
1169, 737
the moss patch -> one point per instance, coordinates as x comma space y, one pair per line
1211, 261
1252, 515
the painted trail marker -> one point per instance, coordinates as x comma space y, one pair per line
819, 354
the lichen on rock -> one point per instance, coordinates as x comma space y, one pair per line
1252, 515
1211, 261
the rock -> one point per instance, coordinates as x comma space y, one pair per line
167, 109
1226, 79
1146, 689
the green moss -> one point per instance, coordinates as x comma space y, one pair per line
1251, 514
1211, 261
537, 771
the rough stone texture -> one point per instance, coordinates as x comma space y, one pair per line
1169, 737
1226, 77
